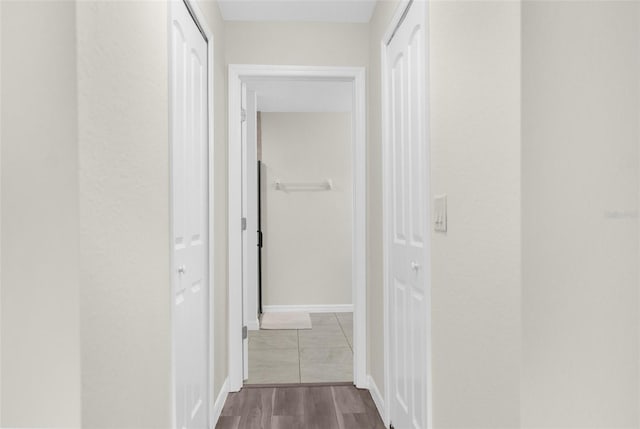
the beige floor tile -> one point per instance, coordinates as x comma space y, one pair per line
273, 339
319, 365
346, 323
345, 319
322, 354
326, 329
274, 366
348, 332
321, 320
322, 339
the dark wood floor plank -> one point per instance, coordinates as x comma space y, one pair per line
360, 421
288, 401
369, 405
348, 400
319, 408
228, 422
231, 405
257, 409
288, 422
304, 407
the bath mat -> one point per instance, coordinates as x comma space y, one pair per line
285, 321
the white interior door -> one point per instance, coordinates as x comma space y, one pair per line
250, 202
409, 269
250, 213
189, 170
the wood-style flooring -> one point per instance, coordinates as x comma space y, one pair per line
300, 407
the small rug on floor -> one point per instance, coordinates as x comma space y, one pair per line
285, 321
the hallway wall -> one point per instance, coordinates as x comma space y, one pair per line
306, 258
124, 214
297, 43
40, 344
475, 158
581, 92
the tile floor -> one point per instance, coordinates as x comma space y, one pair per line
318, 355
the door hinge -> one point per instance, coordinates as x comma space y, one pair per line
243, 223
245, 332
243, 115
260, 239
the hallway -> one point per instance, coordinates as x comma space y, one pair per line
300, 407
486, 234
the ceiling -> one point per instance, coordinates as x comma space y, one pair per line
302, 96
357, 11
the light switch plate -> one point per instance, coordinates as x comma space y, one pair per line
440, 213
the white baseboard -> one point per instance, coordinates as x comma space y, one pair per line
219, 404
377, 399
253, 325
332, 308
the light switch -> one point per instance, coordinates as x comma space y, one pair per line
440, 213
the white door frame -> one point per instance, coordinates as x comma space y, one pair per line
201, 22
356, 75
386, 202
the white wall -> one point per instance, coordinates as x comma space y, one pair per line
307, 235
297, 43
581, 65
124, 208
475, 156
40, 322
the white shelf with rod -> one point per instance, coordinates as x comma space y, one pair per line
325, 185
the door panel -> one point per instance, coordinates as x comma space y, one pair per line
408, 243
416, 81
259, 196
189, 174
398, 94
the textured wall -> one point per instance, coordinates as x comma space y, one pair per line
581, 92
475, 155
124, 214
297, 43
307, 235
40, 321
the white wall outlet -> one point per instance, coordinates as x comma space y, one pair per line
440, 213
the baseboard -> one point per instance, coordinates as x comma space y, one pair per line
332, 308
219, 404
253, 325
377, 398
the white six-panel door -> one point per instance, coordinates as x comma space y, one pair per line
190, 236
408, 220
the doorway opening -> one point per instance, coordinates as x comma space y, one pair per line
296, 225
